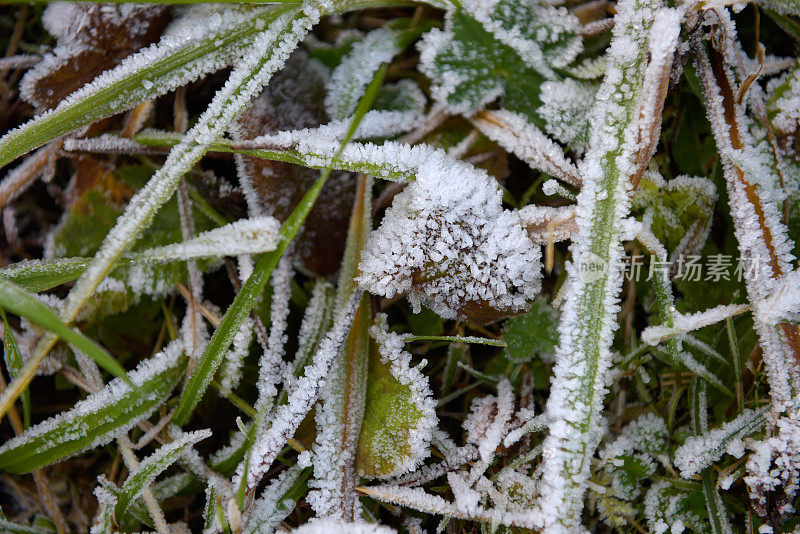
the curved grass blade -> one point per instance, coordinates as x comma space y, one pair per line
18, 301
389, 161
15, 363
267, 54
97, 419
173, 62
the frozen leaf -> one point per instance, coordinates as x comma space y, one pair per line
670, 508
470, 68
91, 38
534, 333
680, 210
99, 418
399, 410
295, 99
565, 111
316, 321
545, 37
447, 242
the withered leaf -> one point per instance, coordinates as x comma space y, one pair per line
91, 38
295, 99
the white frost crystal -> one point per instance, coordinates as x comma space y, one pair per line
774, 466
449, 244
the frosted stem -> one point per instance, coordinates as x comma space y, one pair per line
588, 318
763, 238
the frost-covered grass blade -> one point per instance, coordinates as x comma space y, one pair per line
99, 418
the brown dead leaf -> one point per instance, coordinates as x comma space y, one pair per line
294, 99
91, 38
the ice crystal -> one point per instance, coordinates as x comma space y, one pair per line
447, 242
565, 109
699, 452
773, 470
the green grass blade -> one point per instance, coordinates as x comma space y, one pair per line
41, 275
143, 76
239, 309
589, 312
99, 418
152, 466
458, 339
350, 160
267, 53
15, 364
244, 481
242, 304
20, 302
212, 357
